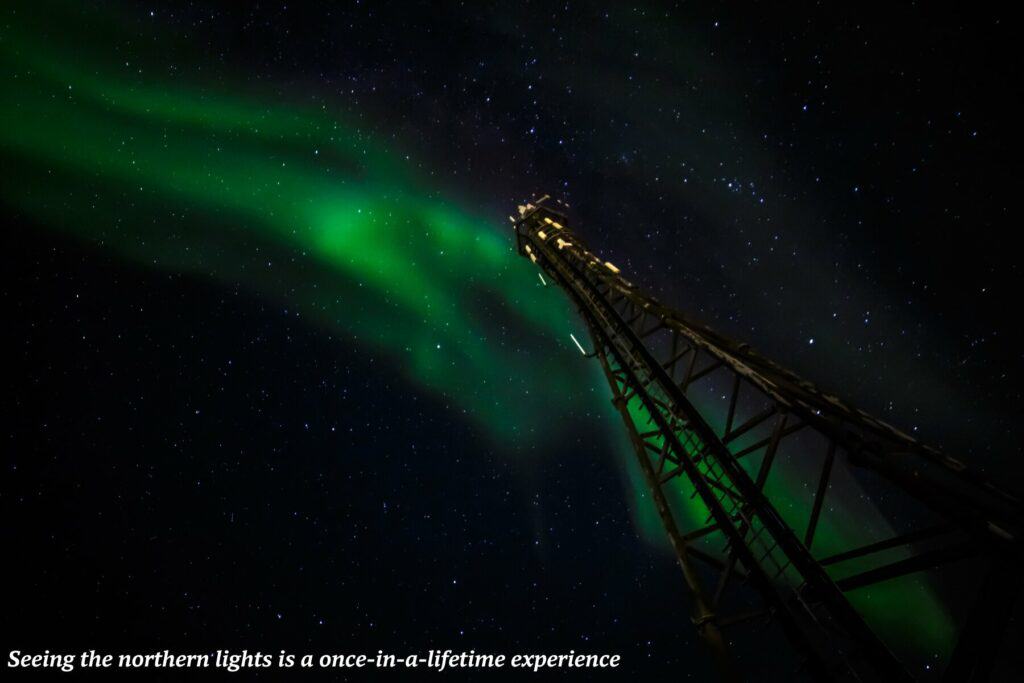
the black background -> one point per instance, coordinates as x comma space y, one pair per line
170, 477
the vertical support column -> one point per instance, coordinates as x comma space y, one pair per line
704, 617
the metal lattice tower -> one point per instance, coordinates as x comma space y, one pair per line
662, 367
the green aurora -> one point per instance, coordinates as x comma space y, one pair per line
310, 209
255, 194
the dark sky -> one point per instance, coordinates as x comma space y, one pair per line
834, 184
844, 170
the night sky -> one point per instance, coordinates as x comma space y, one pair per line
277, 379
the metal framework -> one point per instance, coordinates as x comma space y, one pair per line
711, 417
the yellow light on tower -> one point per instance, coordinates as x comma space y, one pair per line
611, 266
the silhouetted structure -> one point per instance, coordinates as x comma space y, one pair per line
709, 417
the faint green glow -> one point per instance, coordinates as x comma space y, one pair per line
905, 611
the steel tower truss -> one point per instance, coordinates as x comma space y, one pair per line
710, 416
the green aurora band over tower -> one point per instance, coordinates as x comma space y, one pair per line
331, 219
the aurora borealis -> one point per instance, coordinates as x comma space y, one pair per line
396, 261
343, 180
